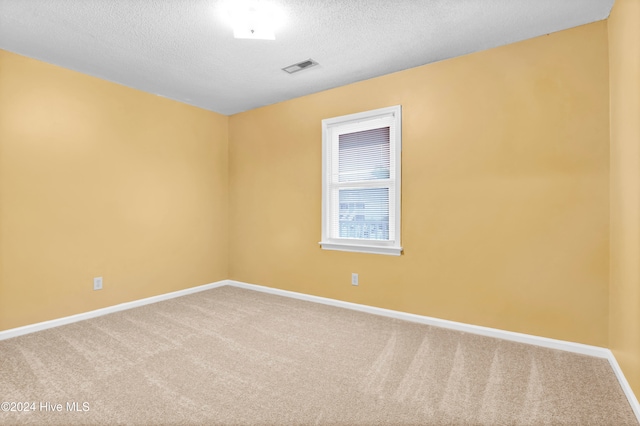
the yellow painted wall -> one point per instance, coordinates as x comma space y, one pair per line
97, 179
505, 219
505, 191
624, 58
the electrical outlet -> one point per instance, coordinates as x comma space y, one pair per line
354, 279
97, 283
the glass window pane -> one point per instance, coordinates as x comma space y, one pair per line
364, 213
364, 155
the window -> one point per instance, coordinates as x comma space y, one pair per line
361, 182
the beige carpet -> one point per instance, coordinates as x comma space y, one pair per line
234, 356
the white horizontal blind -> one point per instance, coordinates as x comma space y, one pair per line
364, 155
362, 181
364, 213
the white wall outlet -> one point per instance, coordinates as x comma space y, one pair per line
97, 283
354, 279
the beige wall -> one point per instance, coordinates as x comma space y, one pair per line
97, 179
505, 190
624, 58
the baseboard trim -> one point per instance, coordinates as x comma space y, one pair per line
545, 342
626, 387
578, 348
32, 328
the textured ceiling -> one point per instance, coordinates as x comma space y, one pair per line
183, 49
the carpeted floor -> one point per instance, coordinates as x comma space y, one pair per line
235, 356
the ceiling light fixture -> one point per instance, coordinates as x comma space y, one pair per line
252, 19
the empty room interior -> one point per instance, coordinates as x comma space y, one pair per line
176, 246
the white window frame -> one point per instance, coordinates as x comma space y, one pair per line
331, 129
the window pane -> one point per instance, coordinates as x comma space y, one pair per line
364, 155
364, 213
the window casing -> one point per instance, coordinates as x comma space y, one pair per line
361, 182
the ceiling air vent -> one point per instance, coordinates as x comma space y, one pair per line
300, 66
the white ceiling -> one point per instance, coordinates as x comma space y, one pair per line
183, 49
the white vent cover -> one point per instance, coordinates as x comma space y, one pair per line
300, 66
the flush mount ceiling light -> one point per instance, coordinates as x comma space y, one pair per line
252, 19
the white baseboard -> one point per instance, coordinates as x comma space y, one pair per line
32, 328
545, 342
633, 401
578, 348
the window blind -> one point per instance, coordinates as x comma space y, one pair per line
363, 187
364, 155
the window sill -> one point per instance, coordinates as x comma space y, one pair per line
361, 248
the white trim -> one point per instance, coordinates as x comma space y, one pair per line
350, 123
358, 117
626, 388
361, 248
32, 328
545, 342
